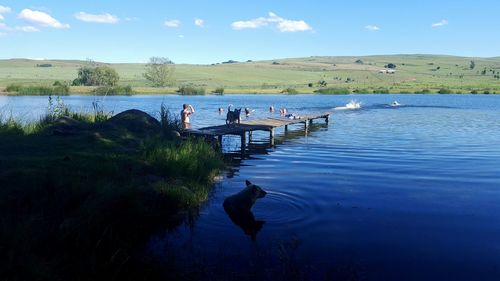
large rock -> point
(65, 126)
(135, 121)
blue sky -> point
(205, 31)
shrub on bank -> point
(289, 91)
(58, 88)
(191, 90)
(333, 91)
(115, 90)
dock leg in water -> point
(243, 141)
(219, 138)
(271, 136)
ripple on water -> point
(280, 208)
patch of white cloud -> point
(4, 9)
(3, 34)
(180, 36)
(131, 18)
(41, 18)
(172, 23)
(3, 26)
(372, 27)
(1, 17)
(28, 29)
(199, 22)
(97, 18)
(440, 24)
(282, 24)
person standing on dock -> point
(187, 110)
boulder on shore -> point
(135, 121)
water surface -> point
(380, 193)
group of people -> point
(188, 109)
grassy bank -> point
(361, 74)
(81, 191)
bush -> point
(289, 91)
(116, 90)
(444, 91)
(334, 91)
(381, 90)
(219, 91)
(96, 76)
(190, 90)
(424, 91)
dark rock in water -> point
(135, 121)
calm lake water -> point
(380, 193)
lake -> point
(410, 192)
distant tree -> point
(358, 61)
(390, 65)
(483, 72)
(159, 71)
(472, 64)
(96, 76)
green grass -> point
(75, 206)
(57, 89)
(413, 73)
(334, 91)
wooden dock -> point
(248, 126)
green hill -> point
(414, 73)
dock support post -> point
(219, 139)
(326, 119)
(243, 141)
(271, 136)
(306, 125)
(286, 129)
(249, 137)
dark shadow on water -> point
(246, 221)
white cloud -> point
(180, 36)
(283, 25)
(439, 24)
(372, 27)
(199, 22)
(131, 18)
(2, 34)
(27, 28)
(172, 23)
(41, 18)
(4, 9)
(3, 26)
(1, 17)
(97, 18)
(255, 23)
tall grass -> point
(290, 91)
(168, 121)
(189, 90)
(57, 89)
(114, 90)
(333, 91)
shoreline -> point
(88, 91)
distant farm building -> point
(387, 71)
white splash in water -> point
(351, 105)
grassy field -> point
(414, 73)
